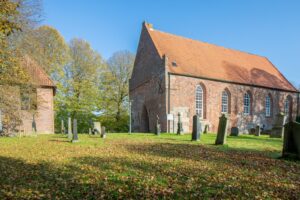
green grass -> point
(145, 166)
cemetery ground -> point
(140, 166)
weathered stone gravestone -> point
(291, 141)
(234, 131)
(90, 131)
(257, 130)
(196, 128)
(103, 132)
(34, 130)
(298, 119)
(222, 130)
(157, 126)
(69, 128)
(63, 130)
(75, 132)
(206, 128)
(179, 125)
(278, 128)
(97, 128)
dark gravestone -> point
(196, 128)
(257, 130)
(75, 133)
(157, 126)
(206, 129)
(252, 131)
(298, 119)
(234, 131)
(33, 125)
(179, 125)
(278, 128)
(291, 140)
(103, 132)
(222, 130)
(69, 128)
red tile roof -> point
(200, 59)
(37, 74)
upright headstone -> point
(291, 140)
(179, 125)
(196, 128)
(34, 130)
(103, 132)
(69, 128)
(257, 130)
(298, 119)
(206, 128)
(234, 131)
(90, 131)
(75, 133)
(222, 130)
(1, 126)
(97, 128)
(157, 126)
(62, 127)
(278, 127)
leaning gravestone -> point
(291, 140)
(69, 128)
(257, 130)
(278, 128)
(75, 133)
(222, 130)
(103, 132)
(97, 128)
(234, 131)
(157, 126)
(179, 125)
(196, 128)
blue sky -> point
(269, 28)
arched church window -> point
(268, 106)
(225, 102)
(199, 101)
(247, 103)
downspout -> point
(167, 73)
(298, 104)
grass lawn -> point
(141, 166)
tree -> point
(119, 69)
(13, 20)
(78, 90)
(46, 46)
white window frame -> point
(247, 104)
(225, 102)
(287, 107)
(199, 101)
(268, 106)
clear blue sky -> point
(266, 27)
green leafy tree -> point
(78, 92)
(115, 87)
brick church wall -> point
(182, 99)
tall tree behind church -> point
(79, 92)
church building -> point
(174, 75)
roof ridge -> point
(200, 41)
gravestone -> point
(157, 126)
(206, 128)
(252, 131)
(257, 130)
(291, 140)
(297, 119)
(222, 130)
(278, 127)
(97, 128)
(196, 128)
(234, 131)
(75, 133)
(90, 131)
(33, 125)
(62, 127)
(103, 132)
(179, 125)
(69, 128)
(1, 126)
